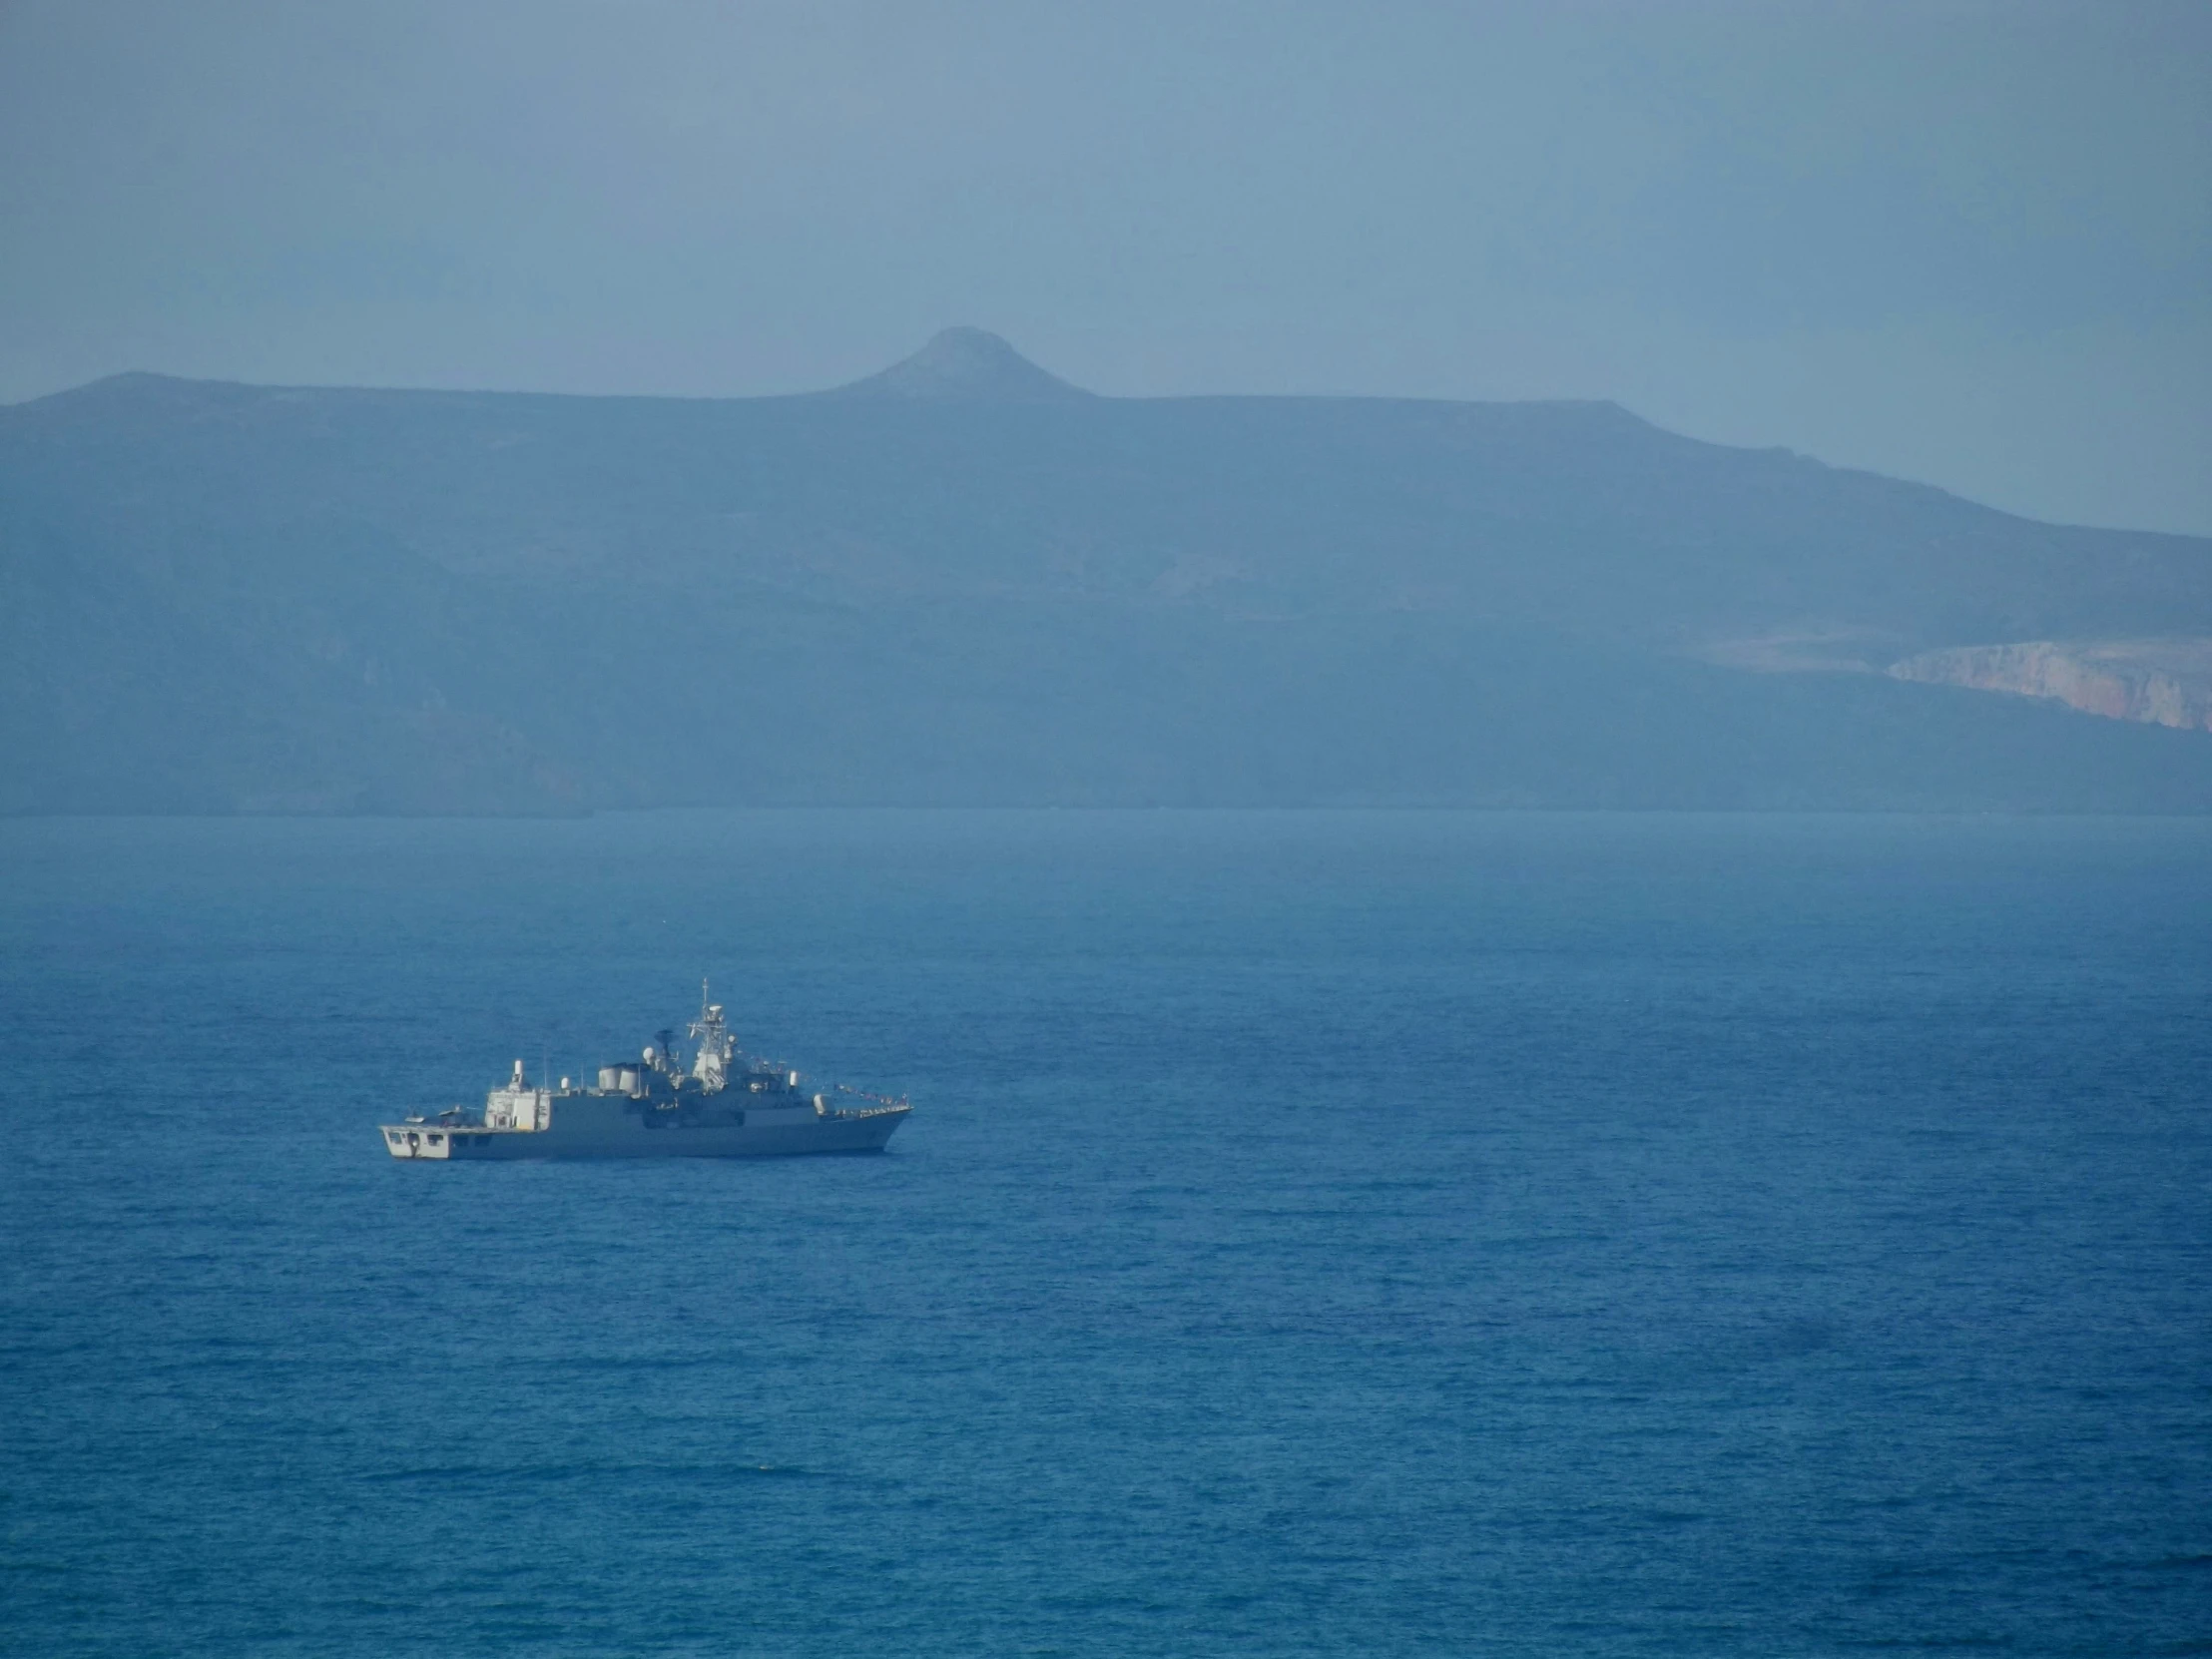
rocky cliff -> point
(2157, 682)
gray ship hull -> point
(461, 1143)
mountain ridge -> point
(225, 595)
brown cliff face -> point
(2156, 682)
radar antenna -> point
(716, 1049)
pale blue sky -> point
(1964, 242)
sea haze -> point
(1317, 1232)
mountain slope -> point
(965, 580)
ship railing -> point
(877, 1099)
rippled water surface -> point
(1318, 1233)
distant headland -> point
(963, 580)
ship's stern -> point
(417, 1140)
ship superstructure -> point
(719, 1103)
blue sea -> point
(1318, 1233)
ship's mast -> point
(716, 1050)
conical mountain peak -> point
(965, 366)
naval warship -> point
(720, 1104)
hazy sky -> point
(1964, 242)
